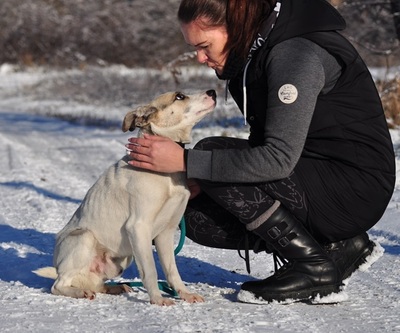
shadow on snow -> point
(25, 250)
(46, 193)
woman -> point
(318, 168)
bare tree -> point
(146, 32)
(371, 26)
(396, 16)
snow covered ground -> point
(48, 163)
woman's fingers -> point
(156, 153)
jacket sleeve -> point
(292, 65)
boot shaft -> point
(286, 235)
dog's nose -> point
(212, 94)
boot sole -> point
(245, 296)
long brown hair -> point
(242, 19)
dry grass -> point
(141, 33)
(69, 33)
(138, 33)
(390, 95)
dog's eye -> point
(179, 96)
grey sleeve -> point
(296, 65)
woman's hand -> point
(156, 153)
(194, 188)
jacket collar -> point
(234, 65)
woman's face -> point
(209, 42)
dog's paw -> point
(118, 289)
(91, 295)
(126, 289)
(162, 301)
(191, 298)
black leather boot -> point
(349, 254)
(308, 272)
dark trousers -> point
(317, 193)
(217, 217)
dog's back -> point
(124, 193)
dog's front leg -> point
(165, 249)
(142, 246)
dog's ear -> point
(139, 117)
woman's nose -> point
(201, 56)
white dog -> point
(128, 208)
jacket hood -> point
(295, 18)
(299, 17)
(291, 18)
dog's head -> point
(171, 115)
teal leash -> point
(162, 285)
(182, 226)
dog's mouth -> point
(208, 109)
(203, 112)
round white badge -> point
(287, 93)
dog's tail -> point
(47, 272)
